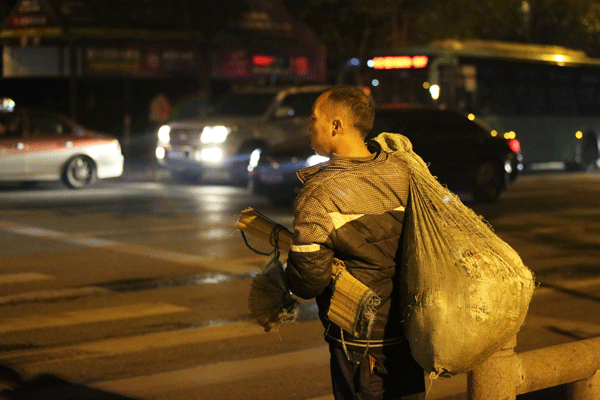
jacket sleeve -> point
(308, 270)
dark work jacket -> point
(351, 209)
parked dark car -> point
(468, 157)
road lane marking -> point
(24, 277)
(44, 295)
(185, 379)
(77, 317)
(143, 386)
(243, 265)
(133, 344)
(128, 231)
(206, 231)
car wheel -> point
(589, 153)
(80, 172)
(488, 183)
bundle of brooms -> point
(353, 305)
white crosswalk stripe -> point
(43, 295)
(125, 345)
(46, 358)
(246, 264)
(87, 316)
(22, 277)
(165, 382)
(162, 384)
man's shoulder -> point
(314, 184)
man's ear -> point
(336, 125)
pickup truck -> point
(226, 144)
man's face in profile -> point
(321, 126)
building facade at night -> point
(103, 66)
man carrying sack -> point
(352, 209)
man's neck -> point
(353, 150)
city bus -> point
(547, 97)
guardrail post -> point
(496, 378)
(585, 389)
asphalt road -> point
(138, 289)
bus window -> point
(495, 94)
(531, 99)
(498, 98)
(399, 87)
(561, 100)
(466, 88)
(561, 93)
(588, 94)
(588, 100)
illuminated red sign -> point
(262, 61)
(400, 62)
(238, 63)
(299, 64)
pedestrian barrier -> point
(506, 374)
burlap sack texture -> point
(465, 291)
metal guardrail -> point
(506, 374)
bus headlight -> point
(214, 134)
(160, 152)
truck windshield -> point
(244, 104)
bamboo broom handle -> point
(256, 224)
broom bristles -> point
(269, 301)
(353, 304)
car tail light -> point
(514, 145)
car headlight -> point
(211, 154)
(254, 159)
(164, 133)
(316, 159)
(214, 134)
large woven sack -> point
(465, 291)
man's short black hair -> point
(358, 103)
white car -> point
(37, 145)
